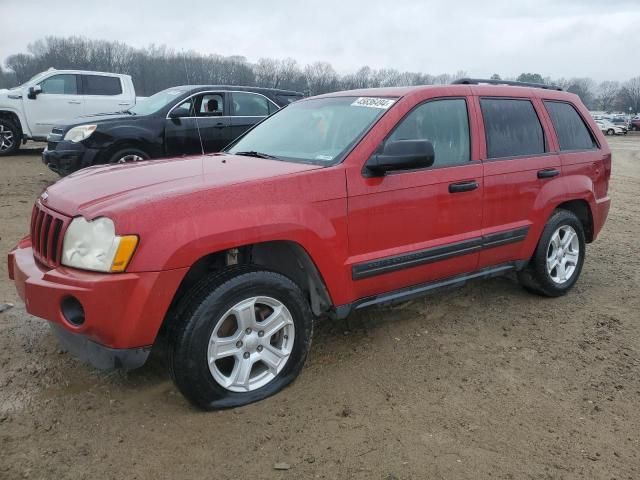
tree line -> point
(155, 68)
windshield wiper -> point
(128, 112)
(253, 153)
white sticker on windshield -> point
(373, 102)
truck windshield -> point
(320, 130)
(156, 101)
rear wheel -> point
(9, 137)
(129, 155)
(611, 131)
(239, 337)
(557, 262)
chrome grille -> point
(47, 232)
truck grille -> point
(47, 232)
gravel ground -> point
(485, 381)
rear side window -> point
(101, 85)
(65, 84)
(286, 99)
(572, 132)
(512, 128)
(249, 105)
(445, 123)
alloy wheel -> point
(6, 139)
(563, 254)
(251, 344)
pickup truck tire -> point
(128, 155)
(239, 336)
(557, 261)
(9, 137)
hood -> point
(101, 119)
(100, 190)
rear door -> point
(59, 102)
(247, 109)
(519, 162)
(411, 227)
(104, 94)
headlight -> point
(79, 133)
(95, 246)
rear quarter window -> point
(512, 128)
(572, 132)
(101, 85)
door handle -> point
(463, 186)
(219, 125)
(124, 104)
(548, 173)
(74, 102)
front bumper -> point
(122, 313)
(65, 158)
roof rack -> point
(476, 81)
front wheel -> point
(557, 261)
(9, 137)
(129, 155)
(240, 336)
(611, 132)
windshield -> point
(319, 130)
(32, 79)
(156, 101)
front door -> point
(412, 227)
(59, 102)
(198, 124)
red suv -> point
(333, 204)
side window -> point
(572, 133)
(64, 84)
(512, 128)
(445, 123)
(185, 109)
(101, 85)
(273, 108)
(249, 105)
(211, 105)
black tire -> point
(200, 311)
(611, 131)
(535, 277)
(9, 133)
(118, 156)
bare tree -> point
(629, 98)
(607, 95)
(321, 78)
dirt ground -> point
(486, 381)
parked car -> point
(609, 128)
(635, 124)
(177, 121)
(620, 121)
(332, 204)
(30, 111)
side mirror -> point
(401, 155)
(34, 91)
(180, 112)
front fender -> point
(26, 131)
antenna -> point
(193, 105)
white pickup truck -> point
(30, 111)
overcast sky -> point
(557, 38)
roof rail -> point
(476, 81)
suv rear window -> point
(512, 128)
(101, 85)
(572, 132)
